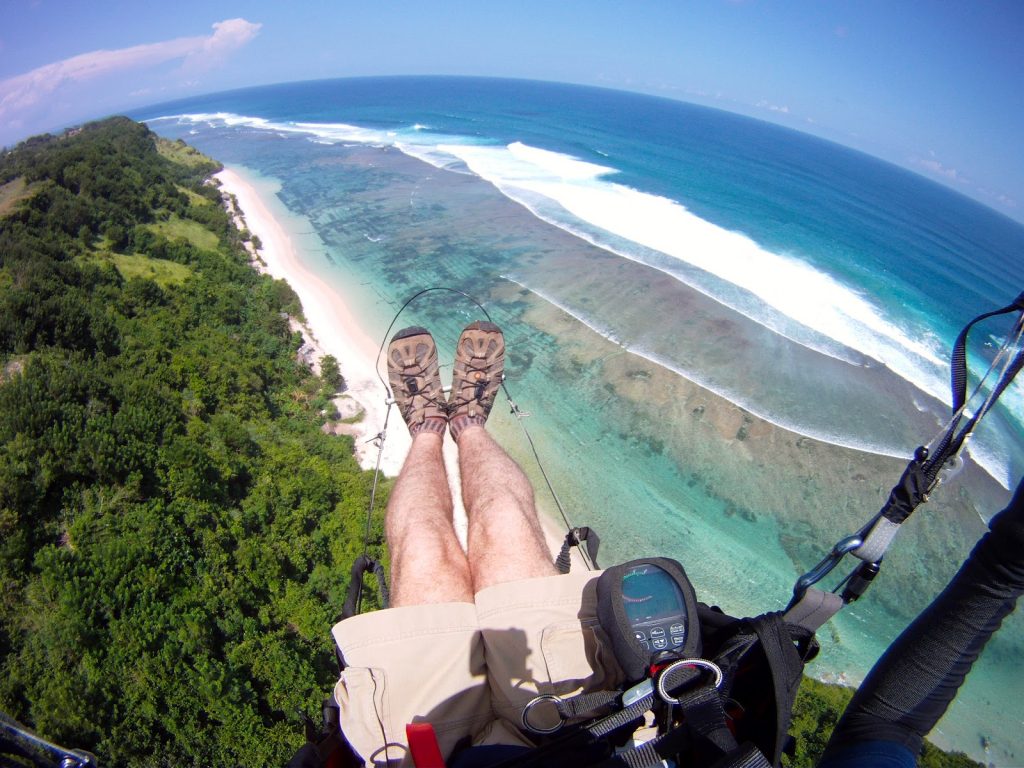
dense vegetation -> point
(175, 530)
(817, 710)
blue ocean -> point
(729, 336)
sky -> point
(933, 86)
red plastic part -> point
(423, 745)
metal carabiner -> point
(842, 548)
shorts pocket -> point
(578, 657)
(360, 694)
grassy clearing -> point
(160, 271)
(12, 193)
(181, 153)
(193, 197)
(192, 231)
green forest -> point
(175, 529)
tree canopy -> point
(175, 530)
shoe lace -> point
(477, 387)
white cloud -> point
(956, 178)
(939, 169)
(764, 104)
(22, 92)
(227, 36)
(936, 168)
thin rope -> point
(540, 465)
(1004, 351)
(1003, 357)
(379, 439)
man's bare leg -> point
(427, 561)
(505, 540)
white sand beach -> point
(331, 329)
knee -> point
(505, 500)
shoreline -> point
(332, 329)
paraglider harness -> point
(708, 689)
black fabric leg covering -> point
(912, 685)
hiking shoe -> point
(415, 381)
(479, 365)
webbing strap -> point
(703, 716)
(582, 735)
(958, 361)
(744, 756)
(423, 745)
(813, 609)
(786, 667)
(364, 564)
(585, 703)
(633, 712)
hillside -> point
(175, 530)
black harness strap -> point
(744, 756)
(362, 565)
(704, 715)
(704, 726)
(574, 538)
(581, 736)
(786, 647)
(585, 704)
(958, 361)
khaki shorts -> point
(468, 669)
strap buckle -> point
(525, 717)
(662, 686)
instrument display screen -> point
(655, 607)
(651, 594)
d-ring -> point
(533, 702)
(708, 665)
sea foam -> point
(787, 284)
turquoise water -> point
(724, 331)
